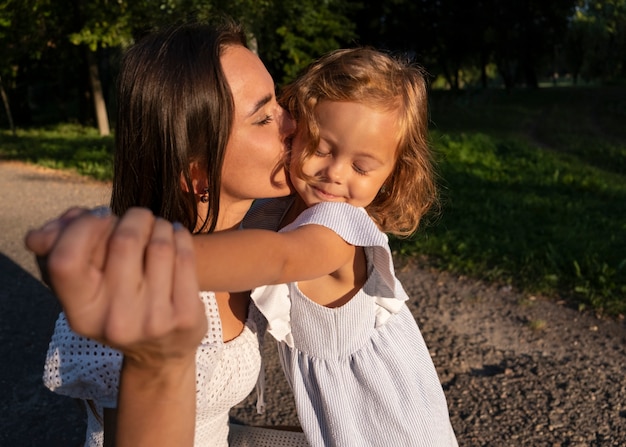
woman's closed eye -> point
(267, 119)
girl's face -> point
(355, 156)
(260, 126)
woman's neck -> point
(296, 208)
(231, 214)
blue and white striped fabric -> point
(360, 377)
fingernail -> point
(101, 211)
(178, 226)
(52, 225)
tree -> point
(595, 47)
(102, 24)
(5, 23)
(290, 34)
(22, 38)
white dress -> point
(226, 373)
(361, 374)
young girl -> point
(360, 371)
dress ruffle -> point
(353, 225)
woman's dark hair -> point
(175, 108)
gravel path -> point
(31, 415)
(517, 370)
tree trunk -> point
(97, 94)
(7, 107)
(447, 74)
(506, 76)
(529, 73)
(484, 80)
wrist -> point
(156, 404)
(158, 371)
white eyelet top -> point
(226, 373)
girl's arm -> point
(242, 260)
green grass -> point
(533, 188)
(533, 192)
(63, 146)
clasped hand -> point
(128, 282)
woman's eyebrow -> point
(260, 103)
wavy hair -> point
(377, 79)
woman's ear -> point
(199, 180)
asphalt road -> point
(32, 415)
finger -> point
(73, 278)
(100, 249)
(41, 240)
(127, 245)
(188, 308)
(159, 274)
(124, 275)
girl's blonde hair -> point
(371, 77)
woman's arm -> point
(157, 406)
(137, 292)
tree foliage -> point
(595, 47)
(47, 45)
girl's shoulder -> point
(352, 223)
(357, 228)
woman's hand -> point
(128, 283)
(131, 283)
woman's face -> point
(252, 165)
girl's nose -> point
(334, 171)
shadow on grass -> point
(545, 221)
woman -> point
(199, 136)
(80, 247)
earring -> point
(383, 189)
(204, 197)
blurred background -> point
(527, 125)
(59, 57)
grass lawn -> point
(533, 192)
(61, 146)
(533, 187)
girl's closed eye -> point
(359, 169)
